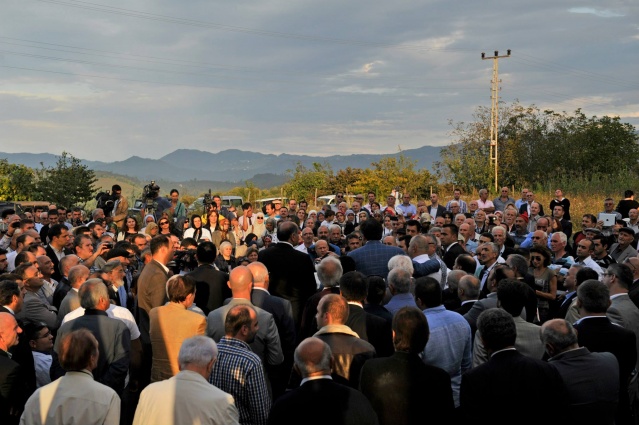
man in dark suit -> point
(319, 400)
(633, 290)
(13, 388)
(592, 379)
(435, 209)
(283, 315)
(452, 249)
(468, 291)
(112, 274)
(401, 387)
(58, 236)
(292, 274)
(598, 334)
(369, 327)
(113, 337)
(66, 264)
(491, 381)
(211, 284)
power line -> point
(231, 28)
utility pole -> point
(494, 111)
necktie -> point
(122, 294)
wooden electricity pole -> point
(494, 112)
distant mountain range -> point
(231, 165)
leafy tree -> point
(305, 181)
(69, 183)
(538, 147)
(16, 181)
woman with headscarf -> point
(196, 231)
(223, 234)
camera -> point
(150, 192)
(207, 201)
(183, 260)
(106, 201)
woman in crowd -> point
(152, 230)
(196, 231)
(165, 226)
(147, 219)
(448, 217)
(301, 215)
(388, 226)
(131, 227)
(212, 221)
(223, 234)
(545, 281)
(251, 254)
(225, 260)
(259, 228)
(267, 240)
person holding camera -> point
(121, 206)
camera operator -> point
(154, 201)
(184, 258)
(76, 217)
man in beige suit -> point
(188, 398)
(121, 207)
(171, 324)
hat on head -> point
(627, 230)
(350, 212)
(524, 216)
(425, 217)
(593, 230)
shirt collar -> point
(314, 378)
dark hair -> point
(467, 263)
(544, 253)
(428, 291)
(590, 217)
(246, 205)
(8, 289)
(206, 252)
(594, 296)
(173, 191)
(159, 242)
(415, 223)
(116, 187)
(584, 274)
(512, 295)
(623, 273)
(376, 290)
(236, 318)
(31, 329)
(193, 217)
(353, 286)
(411, 330)
(179, 287)
(55, 231)
(628, 193)
(21, 259)
(453, 228)
(76, 350)
(371, 229)
(497, 329)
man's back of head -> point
(593, 297)
(428, 292)
(371, 229)
(313, 357)
(497, 329)
(329, 272)
(241, 282)
(410, 330)
(332, 310)
(469, 287)
(353, 286)
(260, 274)
(558, 336)
(206, 253)
(286, 231)
(93, 295)
(400, 279)
(512, 295)
(241, 323)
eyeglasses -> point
(48, 334)
(163, 223)
(536, 258)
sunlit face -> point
(197, 222)
(307, 236)
(440, 221)
(321, 248)
(252, 257)
(227, 250)
(130, 223)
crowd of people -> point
(352, 313)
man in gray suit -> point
(591, 379)
(511, 296)
(267, 340)
(77, 276)
(623, 248)
(622, 310)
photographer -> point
(155, 204)
(10, 223)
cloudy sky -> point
(108, 80)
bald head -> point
(313, 358)
(260, 274)
(78, 275)
(558, 336)
(67, 262)
(634, 263)
(9, 331)
(241, 282)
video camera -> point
(106, 201)
(183, 260)
(149, 193)
(207, 201)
